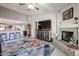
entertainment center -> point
(43, 30)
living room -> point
(60, 26)
(54, 23)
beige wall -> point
(12, 15)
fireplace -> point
(67, 35)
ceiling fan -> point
(30, 6)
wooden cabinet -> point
(43, 35)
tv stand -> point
(61, 45)
(44, 35)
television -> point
(46, 24)
(66, 35)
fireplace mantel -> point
(69, 26)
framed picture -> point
(68, 14)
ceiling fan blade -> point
(29, 9)
(36, 8)
(22, 3)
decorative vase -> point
(76, 20)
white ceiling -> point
(43, 7)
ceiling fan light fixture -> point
(30, 6)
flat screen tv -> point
(44, 24)
(66, 35)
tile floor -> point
(57, 52)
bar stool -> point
(3, 36)
(0, 47)
(17, 35)
(11, 36)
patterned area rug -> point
(26, 47)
